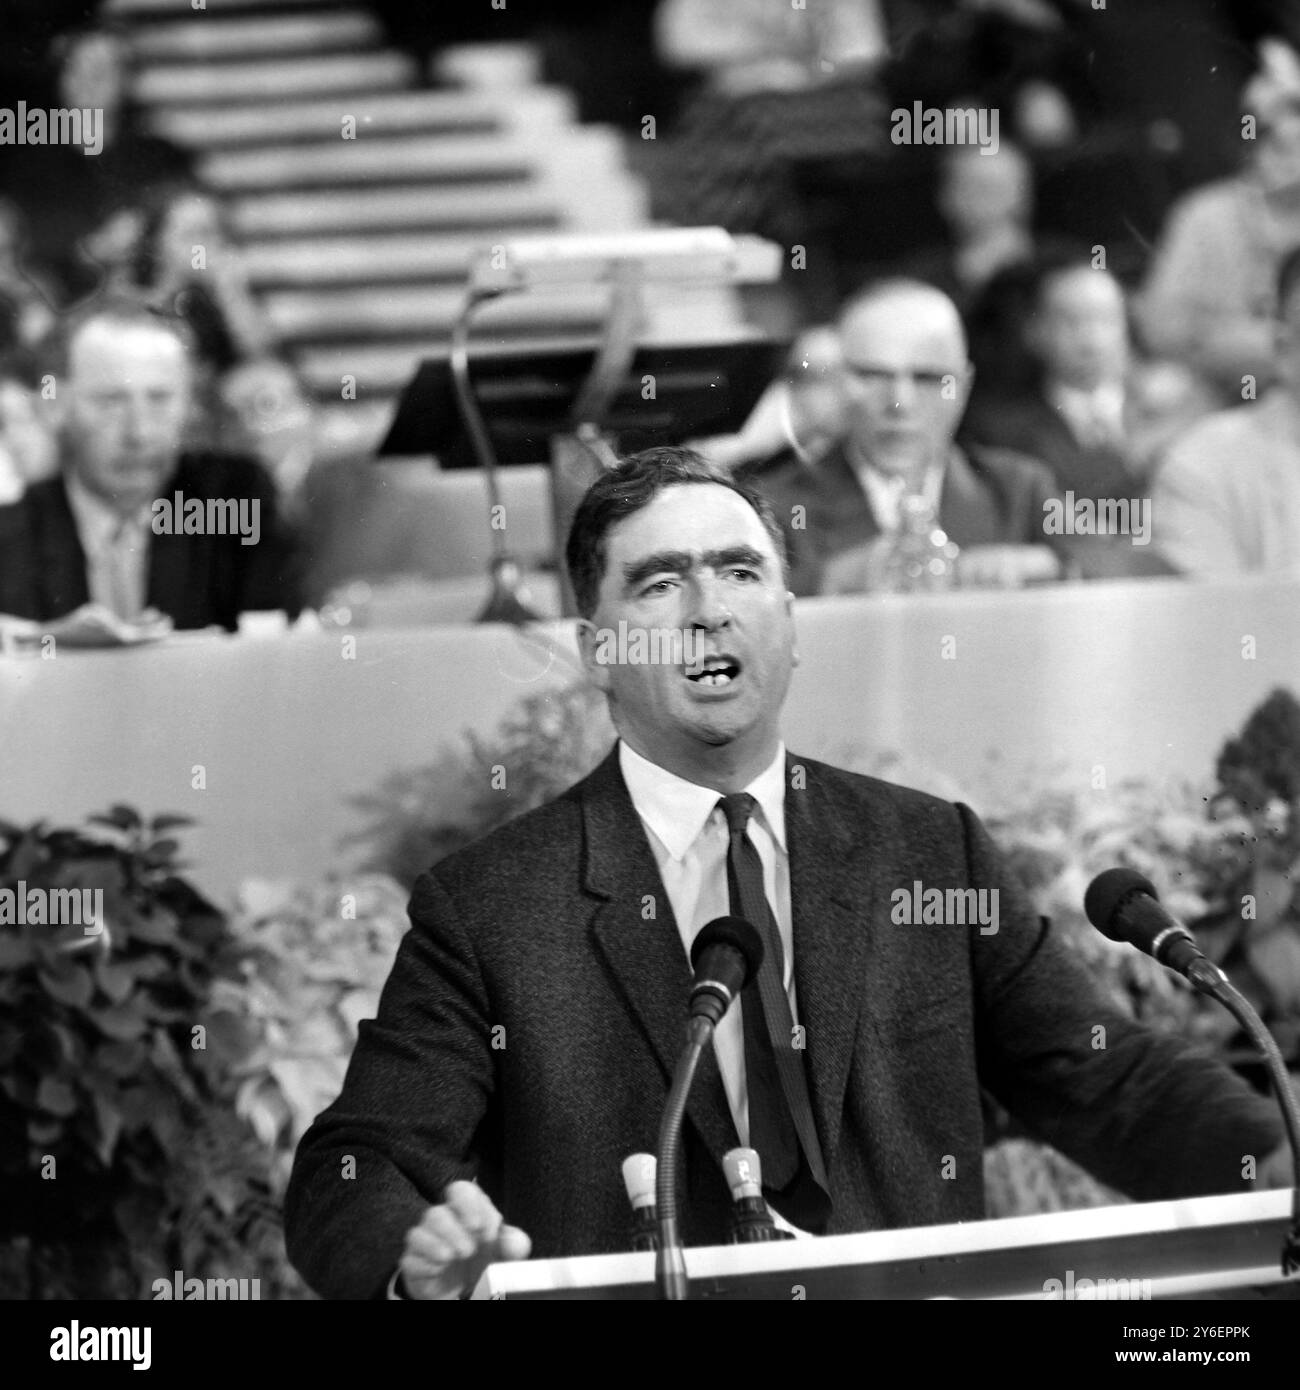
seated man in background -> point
(1209, 296)
(801, 410)
(1227, 498)
(905, 378)
(1095, 415)
(131, 522)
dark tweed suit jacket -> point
(542, 931)
(198, 580)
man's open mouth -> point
(714, 670)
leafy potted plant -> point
(120, 1150)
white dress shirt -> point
(1095, 418)
(116, 549)
(689, 837)
(885, 491)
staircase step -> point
(488, 65)
(424, 311)
(136, 10)
(360, 260)
(272, 79)
(192, 40)
(491, 209)
(375, 113)
(384, 159)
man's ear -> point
(789, 610)
(592, 650)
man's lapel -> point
(173, 564)
(845, 506)
(644, 952)
(60, 561)
(835, 889)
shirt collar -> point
(676, 810)
(884, 491)
(98, 524)
(1108, 398)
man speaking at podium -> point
(527, 1034)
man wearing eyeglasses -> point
(905, 379)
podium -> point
(1204, 1247)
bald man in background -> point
(905, 377)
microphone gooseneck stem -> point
(670, 1264)
(1239, 1007)
(504, 604)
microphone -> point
(750, 1219)
(1125, 906)
(639, 1179)
(725, 956)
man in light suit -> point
(526, 1037)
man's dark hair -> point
(122, 310)
(625, 490)
(1288, 280)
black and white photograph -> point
(649, 650)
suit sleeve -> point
(17, 588)
(417, 1087)
(271, 575)
(1143, 1112)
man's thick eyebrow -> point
(679, 561)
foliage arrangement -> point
(312, 962)
(156, 1076)
(418, 816)
(120, 1150)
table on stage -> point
(1142, 679)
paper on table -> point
(91, 625)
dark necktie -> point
(781, 1123)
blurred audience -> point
(84, 212)
(28, 451)
(802, 410)
(92, 533)
(1094, 413)
(905, 378)
(1210, 293)
(266, 414)
(987, 204)
(27, 298)
(744, 46)
(1226, 499)
(185, 264)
